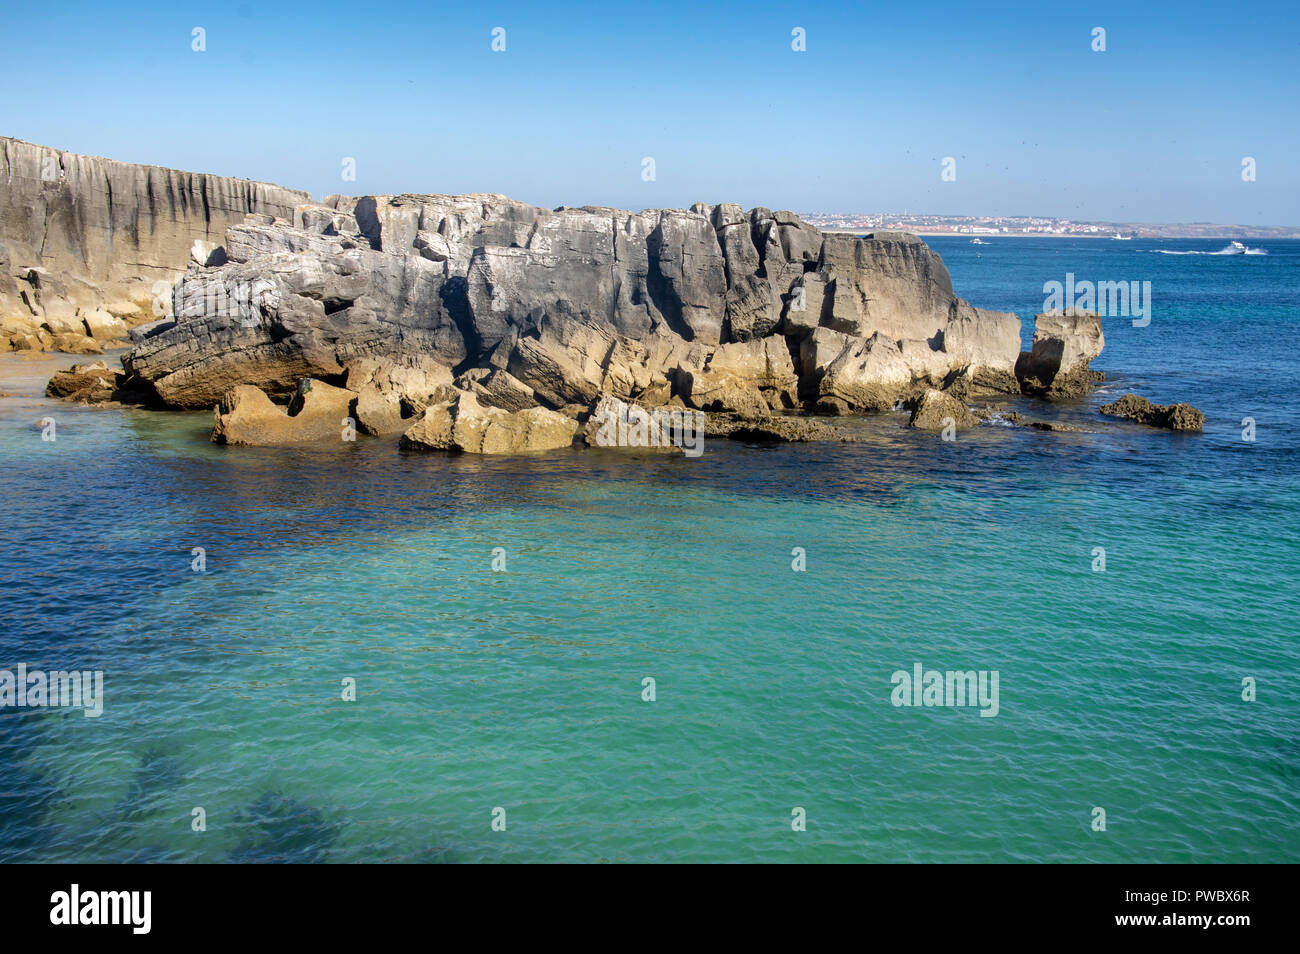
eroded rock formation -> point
(93, 383)
(1175, 417)
(83, 240)
(1059, 366)
(741, 312)
(465, 425)
(486, 304)
(318, 412)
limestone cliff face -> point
(575, 303)
(721, 308)
(80, 233)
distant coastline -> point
(929, 233)
(1022, 227)
(926, 233)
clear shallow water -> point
(523, 689)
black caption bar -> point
(138, 905)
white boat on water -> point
(1122, 238)
(1236, 248)
(978, 242)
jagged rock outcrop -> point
(466, 426)
(391, 394)
(713, 306)
(84, 239)
(891, 283)
(615, 423)
(1059, 366)
(707, 304)
(634, 273)
(318, 411)
(295, 310)
(1175, 417)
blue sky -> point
(1153, 129)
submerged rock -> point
(465, 425)
(1175, 417)
(318, 411)
(1057, 426)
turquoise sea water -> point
(523, 689)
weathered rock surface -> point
(1175, 417)
(85, 236)
(616, 423)
(619, 424)
(772, 428)
(1065, 343)
(283, 315)
(985, 347)
(744, 312)
(391, 394)
(749, 378)
(89, 383)
(318, 411)
(707, 304)
(876, 373)
(573, 363)
(465, 425)
(94, 383)
(936, 410)
(496, 388)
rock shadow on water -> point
(142, 812)
(31, 796)
(157, 776)
(1285, 758)
(280, 829)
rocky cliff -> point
(84, 239)
(410, 302)
(721, 308)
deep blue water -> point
(522, 690)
